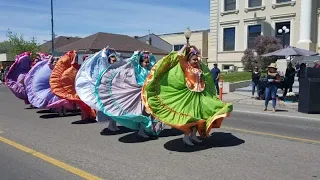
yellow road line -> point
(272, 135)
(51, 160)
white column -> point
(305, 22)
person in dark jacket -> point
(289, 79)
(255, 79)
(215, 72)
(301, 71)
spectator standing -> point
(255, 79)
(289, 79)
(272, 87)
(215, 71)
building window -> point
(226, 66)
(282, 1)
(229, 38)
(177, 47)
(283, 36)
(254, 3)
(253, 32)
(229, 5)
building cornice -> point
(230, 22)
(287, 15)
(254, 19)
(290, 3)
(254, 8)
(229, 52)
(236, 11)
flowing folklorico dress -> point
(182, 97)
(88, 75)
(118, 92)
(16, 74)
(38, 87)
(62, 83)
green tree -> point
(5, 47)
(264, 45)
(248, 60)
(16, 44)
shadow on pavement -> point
(281, 110)
(123, 130)
(91, 121)
(45, 111)
(134, 138)
(217, 139)
(55, 115)
(30, 108)
(170, 132)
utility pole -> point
(149, 38)
(52, 32)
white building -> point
(199, 38)
(235, 23)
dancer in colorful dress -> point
(86, 80)
(62, 83)
(38, 87)
(180, 92)
(16, 74)
(118, 92)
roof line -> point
(157, 37)
(195, 31)
(125, 51)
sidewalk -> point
(247, 104)
(244, 99)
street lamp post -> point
(283, 31)
(187, 34)
(52, 33)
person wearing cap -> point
(272, 86)
(215, 71)
(255, 79)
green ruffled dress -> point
(166, 96)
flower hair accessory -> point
(194, 51)
(146, 56)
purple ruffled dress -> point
(38, 87)
(16, 74)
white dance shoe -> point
(187, 141)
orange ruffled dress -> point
(62, 83)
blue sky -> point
(85, 17)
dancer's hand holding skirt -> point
(167, 97)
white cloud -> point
(82, 18)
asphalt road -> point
(250, 146)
